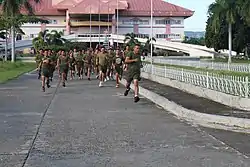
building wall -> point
(138, 25)
(32, 30)
(176, 27)
(86, 30)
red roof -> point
(106, 6)
(127, 7)
(160, 8)
(65, 4)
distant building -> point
(194, 34)
(73, 17)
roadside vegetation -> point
(10, 70)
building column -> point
(168, 31)
(43, 26)
(68, 28)
(113, 25)
(136, 28)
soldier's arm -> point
(128, 59)
(97, 60)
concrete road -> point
(83, 125)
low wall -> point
(226, 99)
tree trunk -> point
(13, 44)
(6, 45)
(230, 43)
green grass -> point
(221, 72)
(234, 60)
(10, 70)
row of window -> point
(173, 36)
(141, 35)
(141, 22)
(168, 21)
(146, 22)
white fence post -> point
(182, 75)
(165, 71)
(207, 81)
(246, 86)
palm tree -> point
(42, 40)
(147, 46)
(220, 9)
(130, 40)
(12, 8)
(55, 38)
(243, 7)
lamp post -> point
(108, 23)
(117, 24)
(99, 23)
(90, 27)
(151, 40)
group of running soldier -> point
(104, 63)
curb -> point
(207, 120)
(220, 97)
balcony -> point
(87, 23)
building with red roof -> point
(82, 17)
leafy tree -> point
(224, 9)
(42, 40)
(55, 38)
(130, 40)
(46, 39)
(228, 22)
(147, 45)
(195, 41)
(12, 10)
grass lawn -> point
(221, 72)
(233, 60)
(10, 70)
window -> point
(175, 21)
(141, 35)
(52, 21)
(167, 21)
(129, 22)
(32, 35)
(174, 36)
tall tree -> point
(131, 40)
(12, 9)
(42, 40)
(227, 9)
(55, 38)
(243, 7)
(147, 45)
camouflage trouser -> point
(132, 75)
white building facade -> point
(66, 16)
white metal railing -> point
(238, 67)
(234, 85)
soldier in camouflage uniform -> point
(133, 60)
(79, 64)
(38, 59)
(45, 66)
(111, 56)
(72, 63)
(63, 65)
(53, 64)
(118, 66)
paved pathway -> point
(86, 126)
